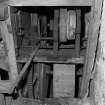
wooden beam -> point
(92, 45)
(45, 60)
(7, 34)
(78, 33)
(99, 76)
(50, 3)
(55, 34)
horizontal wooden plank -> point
(50, 2)
(45, 60)
(48, 101)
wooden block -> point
(63, 80)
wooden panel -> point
(43, 80)
(64, 80)
(56, 24)
(63, 25)
(50, 2)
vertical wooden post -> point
(78, 31)
(56, 25)
(29, 82)
(43, 86)
(7, 33)
(91, 45)
(99, 77)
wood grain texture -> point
(99, 77)
(6, 31)
(50, 2)
(63, 80)
(92, 45)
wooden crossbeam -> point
(50, 2)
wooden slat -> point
(45, 60)
(78, 31)
(50, 2)
(63, 25)
(55, 34)
(43, 80)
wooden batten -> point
(50, 2)
(7, 34)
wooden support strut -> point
(92, 45)
(78, 30)
(56, 25)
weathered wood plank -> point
(55, 34)
(99, 77)
(50, 2)
(43, 80)
(7, 34)
(92, 45)
(78, 30)
(63, 80)
(45, 60)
